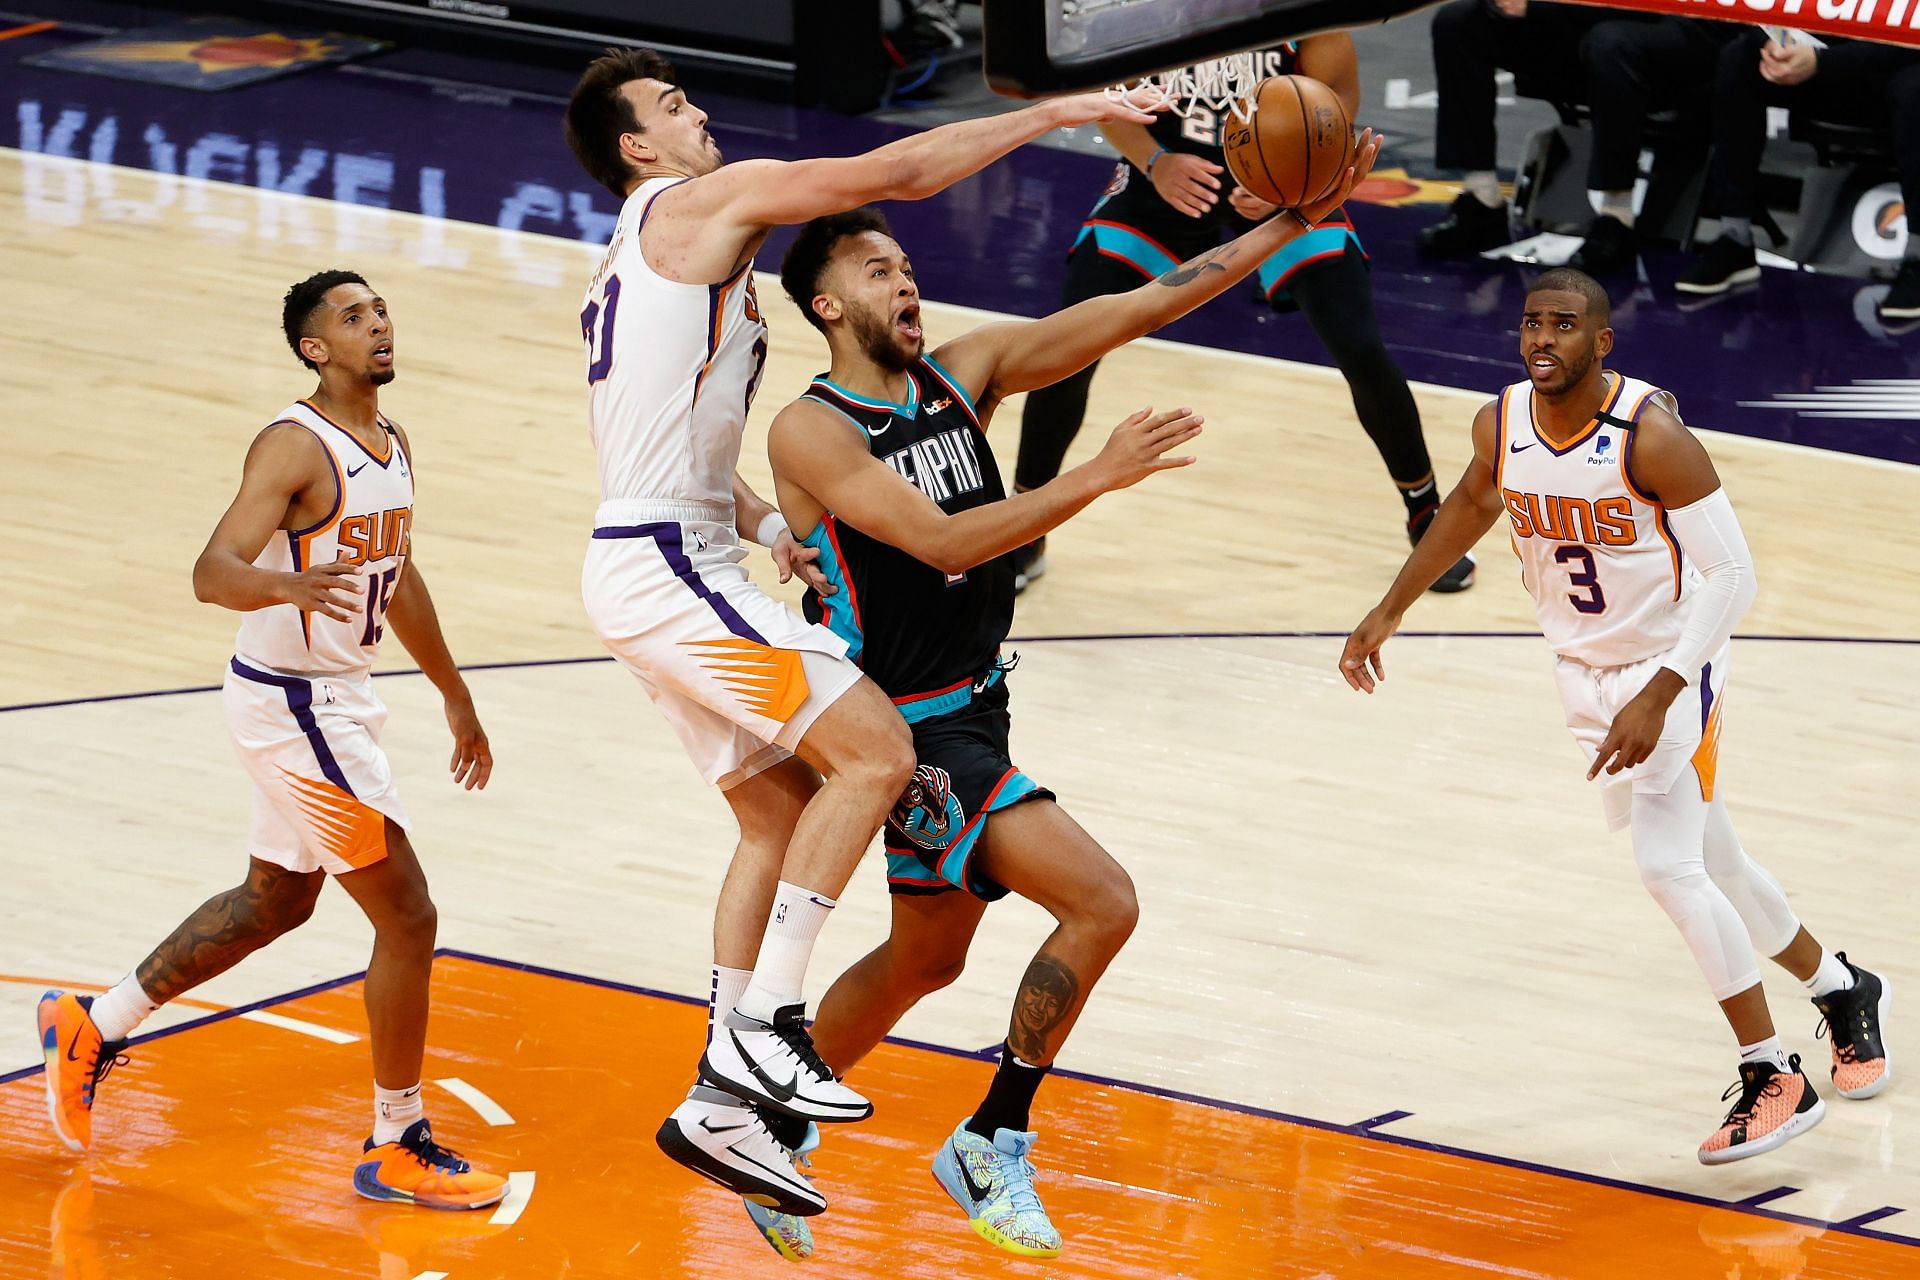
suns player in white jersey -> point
(315, 553)
(1639, 573)
(760, 699)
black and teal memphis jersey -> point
(918, 633)
(1199, 132)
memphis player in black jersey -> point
(884, 462)
(1170, 198)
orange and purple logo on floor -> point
(205, 53)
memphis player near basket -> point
(885, 462)
(316, 554)
(1165, 204)
(760, 699)
(1639, 573)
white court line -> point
(1129, 1186)
(519, 1191)
(486, 1108)
(313, 1029)
(592, 252)
(431, 1275)
(1477, 1264)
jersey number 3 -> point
(600, 343)
(1585, 577)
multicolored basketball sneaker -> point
(789, 1234)
(417, 1170)
(77, 1061)
(992, 1182)
(1851, 1021)
(1774, 1107)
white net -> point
(1222, 84)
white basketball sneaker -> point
(718, 1137)
(774, 1065)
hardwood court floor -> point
(1351, 907)
(240, 1137)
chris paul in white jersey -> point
(1639, 573)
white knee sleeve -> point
(1754, 893)
(1668, 844)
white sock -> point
(1767, 1050)
(394, 1110)
(1615, 204)
(724, 993)
(779, 977)
(122, 1009)
(1831, 976)
(1484, 186)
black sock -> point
(788, 1131)
(1009, 1100)
(1423, 503)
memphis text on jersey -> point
(943, 466)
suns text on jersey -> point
(1603, 522)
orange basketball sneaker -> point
(1775, 1107)
(415, 1169)
(77, 1060)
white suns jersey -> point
(371, 525)
(671, 369)
(1596, 552)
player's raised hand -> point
(1138, 447)
(1363, 647)
(1138, 105)
(1188, 182)
(790, 558)
(330, 589)
(472, 761)
(1365, 152)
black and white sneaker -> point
(1903, 299)
(1029, 563)
(1459, 577)
(1470, 227)
(774, 1065)
(1609, 248)
(721, 1138)
(1720, 266)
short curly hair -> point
(303, 299)
(807, 256)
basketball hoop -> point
(1223, 84)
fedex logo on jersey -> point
(1607, 522)
(379, 535)
(942, 467)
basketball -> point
(1295, 143)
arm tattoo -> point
(1049, 994)
(1189, 271)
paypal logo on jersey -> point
(1602, 449)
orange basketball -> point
(1295, 144)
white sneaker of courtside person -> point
(774, 1065)
(718, 1137)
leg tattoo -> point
(225, 930)
(1049, 992)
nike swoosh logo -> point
(974, 1189)
(354, 471)
(71, 1055)
(1512, 448)
(725, 1128)
(775, 1089)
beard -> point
(1572, 371)
(880, 342)
(380, 377)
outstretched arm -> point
(1005, 359)
(821, 464)
(1463, 519)
(700, 229)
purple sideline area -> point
(381, 134)
(1366, 1129)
